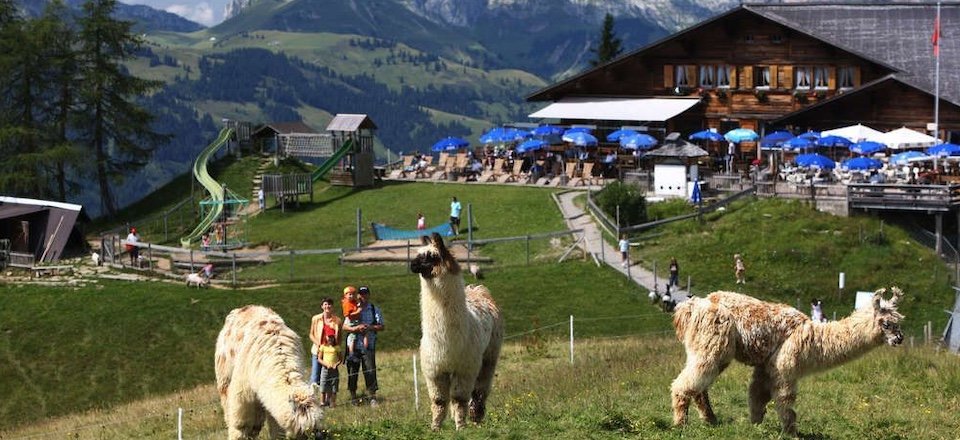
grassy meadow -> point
(114, 359)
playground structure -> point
(215, 201)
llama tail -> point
(681, 318)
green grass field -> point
(83, 356)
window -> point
(724, 73)
(845, 77)
(680, 76)
(707, 77)
(761, 77)
(776, 39)
(802, 77)
(821, 78)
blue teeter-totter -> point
(384, 232)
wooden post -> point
(233, 261)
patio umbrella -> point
(942, 150)
(908, 156)
(639, 141)
(738, 135)
(706, 135)
(580, 139)
(775, 139)
(861, 163)
(810, 135)
(814, 160)
(547, 130)
(501, 135)
(799, 143)
(834, 141)
(867, 147)
(450, 143)
(574, 130)
(531, 145)
(620, 134)
(854, 132)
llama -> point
(462, 334)
(197, 279)
(780, 342)
(260, 376)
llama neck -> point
(277, 398)
(442, 299)
(835, 343)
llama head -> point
(434, 259)
(886, 316)
(306, 414)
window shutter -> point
(788, 82)
(774, 77)
(748, 77)
(692, 77)
(832, 78)
(668, 76)
(856, 76)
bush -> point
(630, 199)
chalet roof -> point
(893, 34)
(350, 122)
(898, 34)
(54, 220)
(283, 128)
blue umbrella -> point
(574, 130)
(861, 163)
(907, 156)
(450, 143)
(834, 141)
(942, 150)
(799, 143)
(547, 130)
(706, 135)
(580, 138)
(814, 160)
(620, 134)
(867, 147)
(500, 135)
(639, 141)
(738, 135)
(810, 135)
(531, 145)
(775, 139)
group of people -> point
(361, 321)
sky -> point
(205, 12)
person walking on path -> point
(674, 273)
(260, 201)
(624, 246)
(455, 209)
(739, 269)
(133, 240)
(371, 323)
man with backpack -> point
(370, 323)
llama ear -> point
(425, 240)
(437, 240)
(878, 298)
(897, 296)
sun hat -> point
(349, 289)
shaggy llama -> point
(260, 377)
(462, 334)
(780, 342)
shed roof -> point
(283, 128)
(350, 122)
(679, 148)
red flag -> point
(936, 37)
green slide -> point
(332, 161)
(212, 186)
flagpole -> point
(936, 100)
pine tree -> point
(112, 125)
(609, 47)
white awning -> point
(616, 109)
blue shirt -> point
(455, 209)
(370, 315)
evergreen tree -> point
(609, 47)
(112, 125)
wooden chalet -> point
(818, 65)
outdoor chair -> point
(585, 176)
(405, 164)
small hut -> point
(354, 135)
(676, 167)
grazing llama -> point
(462, 334)
(780, 342)
(260, 376)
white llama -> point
(462, 334)
(260, 376)
(780, 342)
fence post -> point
(469, 227)
(233, 272)
(655, 278)
(416, 387)
(571, 339)
(150, 256)
(603, 256)
(291, 264)
(359, 227)
(191, 261)
(179, 423)
(528, 250)
(165, 237)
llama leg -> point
(786, 397)
(274, 429)
(460, 390)
(702, 401)
(692, 383)
(481, 390)
(760, 394)
(245, 419)
(438, 387)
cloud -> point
(201, 13)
